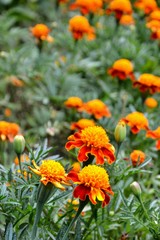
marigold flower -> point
(94, 141)
(7, 112)
(93, 181)
(41, 31)
(51, 172)
(122, 68)
(148, 82)
(97, 108)
(151, 102)
(137, 121)
(8, 130)
(80, 27)
(74, 102)
(119, 7)
(127, 20)
(154, 26)
(155, 134)
(87, 6)
(146, 6)
(82, 123)
(137, 157)
(155, 15)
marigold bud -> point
(136, 189)
(120, 131)
(19, 144)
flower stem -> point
(19, 161)
(36, 220)
(144, 209)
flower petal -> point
(81, 191)
(73, 144)
(106, 200)
(83, 153)
(73, 176)
(98, 154)
(109, 155)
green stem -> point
(19, 161)
(144, 209)
(36, 220)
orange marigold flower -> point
(154, 25)
(87, 6)
(137, 121)
(146, 6)
(94, 141)
(41, 31)
(74, 102)
(137, 157)
(127, 20)
(97, 108)
(51, 172)
(7, 112)
(8, 130)
(80, 27)
(93, 181)
(148, 82)
(122, 68)
(82, 123)
(155, 134)
(119, 7)
(151, 102)
(155, 15)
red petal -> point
(83, 153)
(73, 144)
(73, 176)
(98, 154)
(135, 129)
(109, 155)
(81, 191)
(106, 200)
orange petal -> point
(83, 153)
(81, 192)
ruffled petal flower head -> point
(127, 20)
(122, 68)
(97, 108)
(137, 157)
(137, 121)
(94, 141)
(155, 134)
(92, 181)
(80, 27)
(8, 130)
(41, 32)
(82, 123)
(51, 172)
(87, 6)
(119, 7)
(151, 102)
(148, 82)
(74, 102)
(146, 6)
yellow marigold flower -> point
(41, 31)
(93, 181)
(137, 121)
(148, 82)
(82, 123)
(74, 102)
(155, 134)
(146, 6)
(97, 108)
(94, 141)
(80, 27)
(137, 157)
(51, 172)
(8, 130)
(151, 102)
(119, 7)
(127, 20)
(122, 68)
(87, 6)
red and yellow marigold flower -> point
(50, 172)
(137, 121)
(127, 20)
(148, 82)
(92, 181)
(97, 108)
(8, 130)
(74, 102)
(119, 7)
(94, 141)
(154, 26)
(80, 27)
(87, 6)
(155, 134)
(41, 32)
(122, 68)
(146, 6)
(154, 15)
(137, 157)
(82, 123)
(151, 102)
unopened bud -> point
(19, 144)
(120, 131)
(136, 189)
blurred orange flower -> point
(8, 130)
(7, 112)
(87, 6)
(80, 27)
(122, 68)
(154, 26)
(154, 15)
(155, 134)
(16, 82)
(151, 102)
(94, 141)
(148, 82)
(146, 6)
(127, 20)
(82, 123)
(93, 181)
(74, 102)
(119, 7)
(137, 121)
(137, 157)
(24, 158)
(41, 31)
(97, 108)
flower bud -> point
(19, 144)
(136, 189)
(120, 131)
